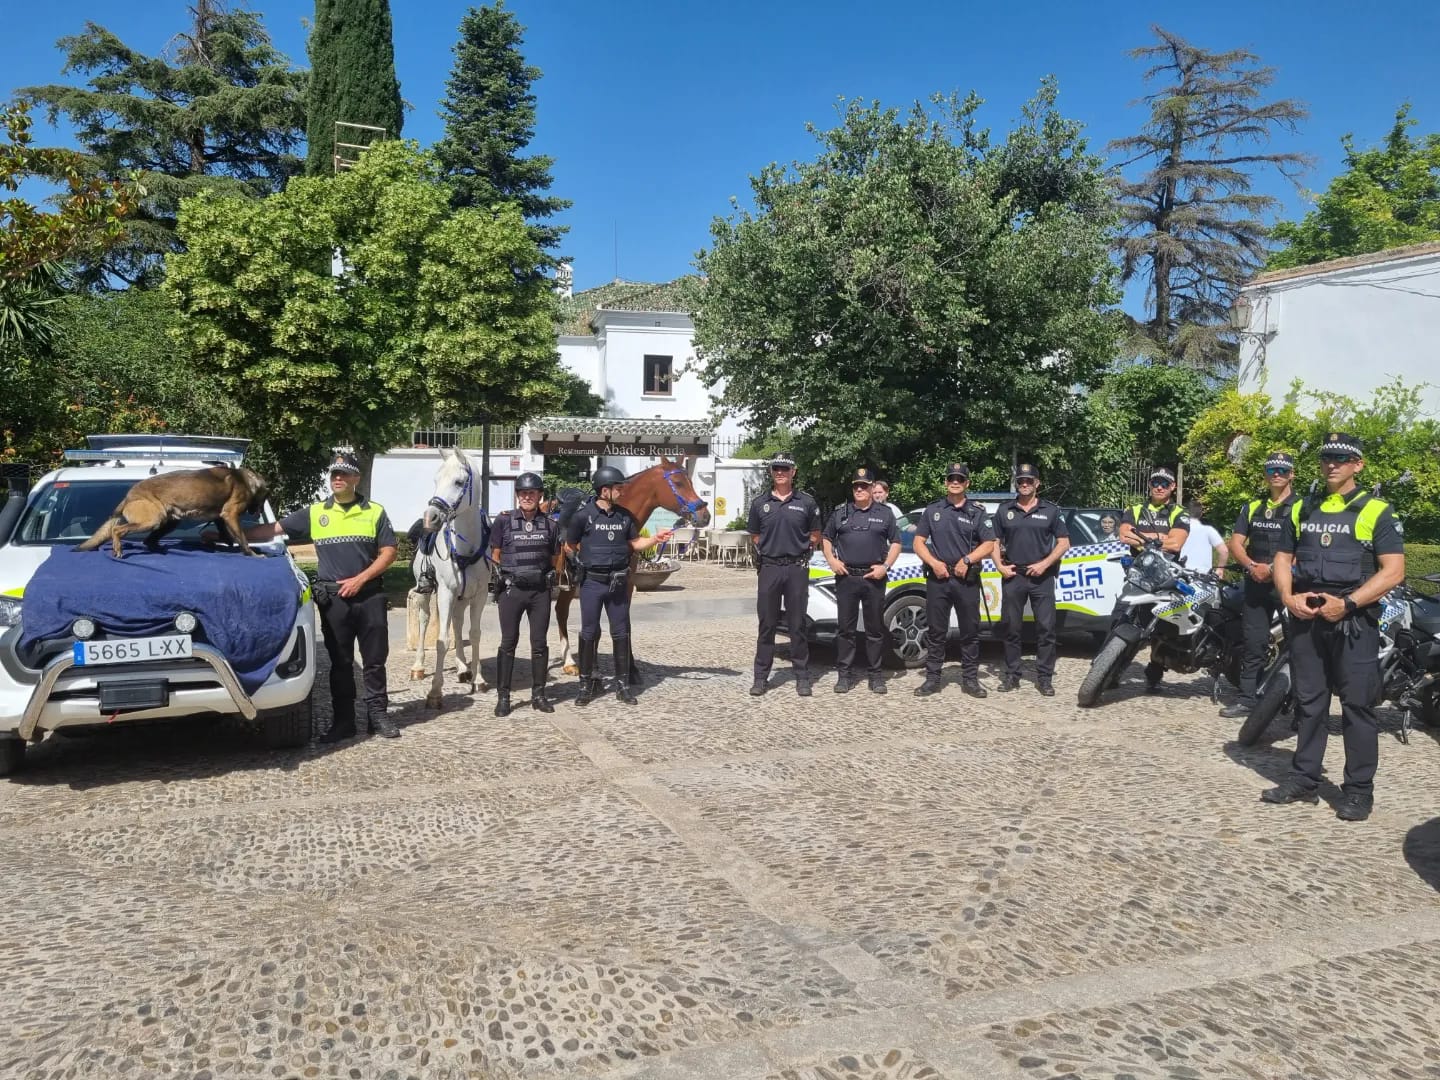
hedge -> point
(1422, 559)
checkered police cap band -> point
(1335, 449)
(1162, 474)
(1278, 460)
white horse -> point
(462, 574)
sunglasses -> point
(1337, 459)
(1278, 472)
(1027, 480)
(1162, 483)
(957, 479)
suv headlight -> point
(9, 611)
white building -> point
(634, 344)
(1345, 325)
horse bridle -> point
(447, 526)
(688, 507)
(447, 509)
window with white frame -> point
(658, 379)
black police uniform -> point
(860, 540)
(526, 571)
(1335, 541)
(1027, 537)
(1262, 524)
(347, 539)
(603, 538)
(784, 527)
(951, 533)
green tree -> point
(223, 110)
(489, 114)
(916, 280)
(90, 216)
(1388, 196)
(1192, 226)
(1228, 444)
(352, 77)
(1159, 404)
(577, 399)
(435, 312)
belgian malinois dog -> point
(160, 503)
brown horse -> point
(666, 484)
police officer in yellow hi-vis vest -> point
(354, 544)
(1340, 553)
(1156, 519)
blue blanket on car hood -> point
(245, 606)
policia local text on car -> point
(1339, 554)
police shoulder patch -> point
(1010, 515)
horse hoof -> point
(432, 701)
(416, 674)
(464, 676)
(572, 669)
(482, 686)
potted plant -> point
(653, 569)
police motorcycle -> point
(1409, 667)
(1190, 617)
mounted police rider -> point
(1257, 535)
(1338, 555)
(522, 547)
(1156, 519)
(603, 535)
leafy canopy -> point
(1229, 442)
(1388, 196)
(436, 311)
(224, 109)
(489, 114)
(915, 280)
(1191, 227)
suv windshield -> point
(67, 512)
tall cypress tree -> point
(352, 79)
(489, 114)
(222, 109)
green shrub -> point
(1422, 559)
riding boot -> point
(589, 685)
(539, 671)
(621, 646)
(505, 665)
(380, 722)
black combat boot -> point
(539, 672)
(505, 665)
(621, 646)
(380, 722)
(589, 685)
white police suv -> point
(175, 633)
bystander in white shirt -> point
(1204, 548)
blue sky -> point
(657, 113)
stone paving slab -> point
(711, 885)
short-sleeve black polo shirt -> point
(784, 525)
(1028, 536)
(862, 537)
(951, 532)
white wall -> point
(1348, 331)
(403, 480)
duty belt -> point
(858, 568)
(784, 560)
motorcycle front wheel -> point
(1104, 671)
(1272, 701)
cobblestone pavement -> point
(709, 885)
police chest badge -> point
(765, 508)
(1010, 515)
(529, 526)
(324, 520)
(1269, 513)
(1324, 539)
(937, 517)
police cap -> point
(1278, 459)
(782, 460)
(345, 462)
(1341, 444)
(862, 476)
(958, 469)
(1027, 472)
(1162, 474)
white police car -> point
(93, 675)
(1086, 586)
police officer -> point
(952, 537)
(784, 525)
(604, 534)
(522, 547)
(1257, 534)
(1032, 537)
(1158, 518)
(354, 544)
(1338, 555)
(862, 541)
